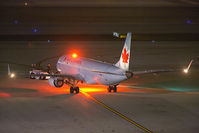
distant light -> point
(15, 22)
(122, 36)
(188, 21)
(74, 55)
(35, 30)
(25, 3)
(48, 41)
(185, 70)
(12, 75)
(153, 41)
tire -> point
(32, 76)
(42, 77)
(77, 89)
(109, 89)
(71, 90)
(115, 88)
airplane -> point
(73, 69)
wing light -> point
(186, 70)
(12, 75)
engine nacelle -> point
(55, 82)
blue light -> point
(15, 22)
(48, 41)
(35, 30)
(188, 21)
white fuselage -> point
(91, 71)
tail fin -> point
(123, 63)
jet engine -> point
(55, 82)
(129, 74)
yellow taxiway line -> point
(117, 113)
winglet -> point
(11, 75)
(9, 70)
(123, 63)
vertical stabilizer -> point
(123, 63)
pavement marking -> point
(117, 113)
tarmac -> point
(158, 103)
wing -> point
(153, 71)
(108, 73)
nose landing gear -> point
(72, 89)
(112, 87)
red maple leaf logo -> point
(125, 56)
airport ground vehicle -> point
(33, 74)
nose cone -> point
(129, 74)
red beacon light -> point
(74, 55)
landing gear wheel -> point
(74, 89)
(71, 89)
(77, 89)
(32, 76)
(115, 88)
(109, 89)
(42, 77)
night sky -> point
(92, 17)
(110, 3)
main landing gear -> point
(112, 87)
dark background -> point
(96, 20)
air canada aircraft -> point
(73, 69)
